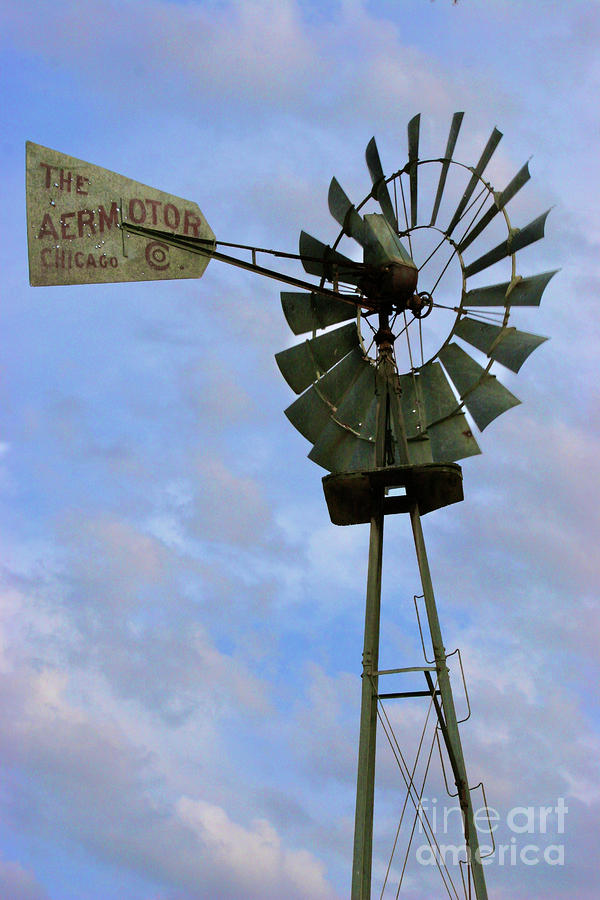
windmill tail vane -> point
(376, 425)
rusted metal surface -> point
(351, 496)
(74, 215)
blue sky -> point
(180, 624)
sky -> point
(180, 623)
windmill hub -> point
(385, 337)
(391, 285)
(420, 304)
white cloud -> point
(244, 50)
(17, 883)
(252, 862)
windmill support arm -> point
(448, 722)
(363, 829)
(207, 248)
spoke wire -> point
(412, 366)
(412, 775)
(491, 316)
(462, 863)
(445, 306)
(454, 251)
(445, 236)
(396, 200)
(417, 817)
(406, 324)
(471, 204)
(370, 347)
(373, 330)
(396, 750)
(402, 330)
(433, 252)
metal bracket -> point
(406, 694)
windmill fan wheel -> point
(398, 327)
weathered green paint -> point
(483, 395)
(320, 260)
(351, 496)
(453, 736)
(520, 292)
(388, 399)
(494, 140)
(365, 781)
(450, 145)
(382, 245)
(519, 238)
(74, 212)
(379, 184)
(306, 312)
(413, 156)
(303, 364)
(507, 345)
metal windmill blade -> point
(431, 401)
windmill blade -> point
(431, 410)
(438, 397)
(378, 240)
(356, 409)
(452, 439)
(524, 292)
(340, 450)
(344, 212)
(506, 345)
(382, 244)
(491, 145)
(320, 260)
(308, 312)
(380, 188)
(412, 406)
(482, 393)
(347, 443)
(313, 410)
(303, 364)
(413, 156)
(451, 144)
(414, 417)
(426, 398)
(521, 178)
(518, 239)
(309, 414)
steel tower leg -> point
(450, 725)
(363, 825)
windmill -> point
(389, 434)
(377, 428)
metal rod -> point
(409, 669)
(365, 787)
(204, 248)
(451, 733)
(365, 784)
(397, 696)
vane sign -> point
(74, 216)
